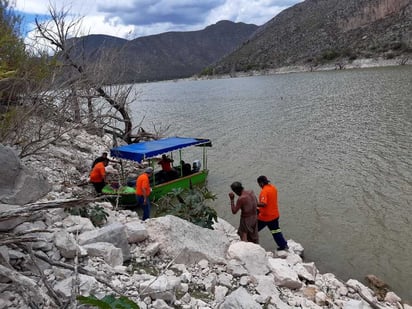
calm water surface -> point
(336, 144)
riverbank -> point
(166, 262)
(345, 65)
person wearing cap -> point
(247, 203)
(269, 211)
(143, 191)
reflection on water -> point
(336, 144)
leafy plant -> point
(96, 214)
(190, 205)
(108, 302)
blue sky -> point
(134, 18)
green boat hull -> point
(127, 195)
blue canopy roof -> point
(146, 150)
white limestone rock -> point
(236, 268)
(220, 293)
(113, 233)
(251, 255)
(136, 231)
(112, 255)
(187, 242)
(66, 244)
(87, 285)
(163, 287)
(284, 275)
(392, 298)
(78, 224)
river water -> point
(336, 144)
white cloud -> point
(127, 18)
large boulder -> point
(19, 185)
(186, 241)
(113, 233)
(252, 256)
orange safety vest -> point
(143, 182)
(269, 196)
(98, 173)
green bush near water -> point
(190, 205)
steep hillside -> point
(164, 56)
(318, 31)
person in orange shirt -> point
(168, 172)
(269, 211)
(98, 176)
(143, 192)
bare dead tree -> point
(56, 32)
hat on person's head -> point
(148, 170)
(263, 179)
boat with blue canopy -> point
(149, 152)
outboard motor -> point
(196, 166)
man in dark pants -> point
(269, 211)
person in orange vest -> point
(98, 176)
(269, 211)
(143, 192)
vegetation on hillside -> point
(42, 96)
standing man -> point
(247, 203)
(143, 192)
(98, 175)
(269, 211)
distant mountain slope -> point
(316, 31)
(164, 56)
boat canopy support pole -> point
(204, 158)
(180, 160)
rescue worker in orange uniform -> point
(269, 211)
(143, 192)
(98, 176)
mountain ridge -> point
(164, 56)
(317, 31)
(310, 34)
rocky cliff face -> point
(318, 31)
(371, 12)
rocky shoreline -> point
(163, 262)
(346, 65)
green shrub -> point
(96, 214)
(330, 54)
(108, 302)
(190, 205)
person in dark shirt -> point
(102, 158)
(186, 168)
